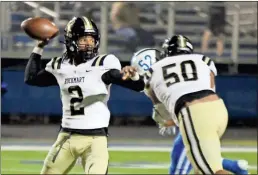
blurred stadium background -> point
(31, 116)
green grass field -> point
(121, 162)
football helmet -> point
(177, 44)
(79, 27)
(144, 59)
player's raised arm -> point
(35, 75)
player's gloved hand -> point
(163, 130)
(43, 43)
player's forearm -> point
(114, 76)
(33, 66)
(34, 74)
(160, 114)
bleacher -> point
(190, 20)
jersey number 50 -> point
(187, 67)
(78, 91)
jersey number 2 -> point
(186, 68)
(78, 91)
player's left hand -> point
(128, 72)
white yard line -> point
(23, 170)
(124, 148)
(35, 171)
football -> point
(39, 28)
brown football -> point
(39, 28)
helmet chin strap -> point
(78, 59)
(83, 56)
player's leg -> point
(181, 165)
(235, 166)
(199, 126)
(95, 159)
(59, 160)
(179, 161)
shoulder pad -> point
(211, 64)
(207, 60)
(99, 60)
(54, 64)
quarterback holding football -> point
(84, 78)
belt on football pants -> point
(88, 132)
(187, 98)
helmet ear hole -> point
(73, 46)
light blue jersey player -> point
(142, 61)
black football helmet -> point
(76, 28)
(176, 45)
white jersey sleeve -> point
(112, 62)
(211, 64)
(53, 65)
(109, 61)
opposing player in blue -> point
(142, 61)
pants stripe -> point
(180, 162)
(187, 166)
(107, 168)
(192, 138)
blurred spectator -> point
(125, 21)
(216, 27)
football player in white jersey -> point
(84, 78)
(184, 83)
(142, 61)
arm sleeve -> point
(34, 74)
(114, 76)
